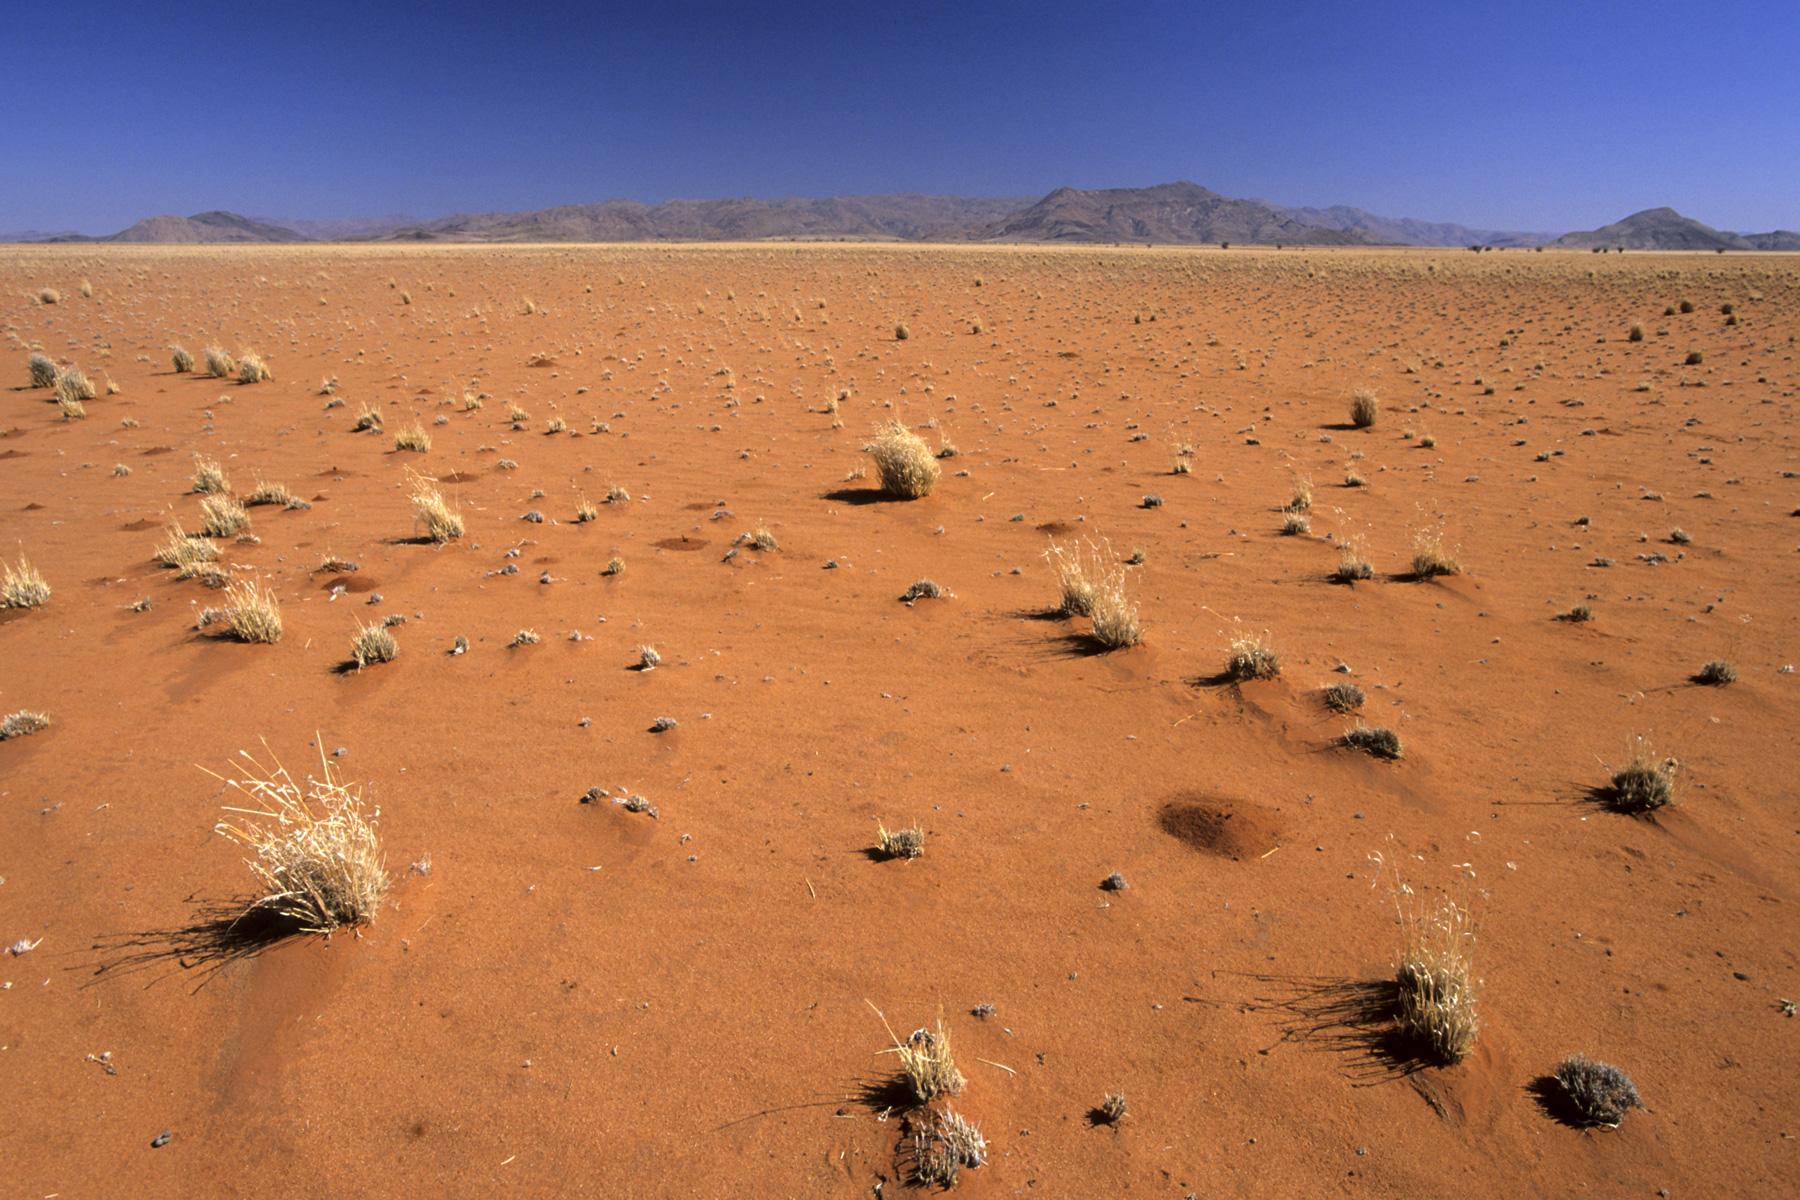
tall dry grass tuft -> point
(1364, 408)
(221, 516)
(1091, 582)
(926, 1061)
(250, 613)
(182, 360)
(904, 463)
(442, 520)
(1430, 558)
(43, 370)
(1434, 981)
(314, 850)
(219, 364)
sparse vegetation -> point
(252, 369)
(373, 644)
(1382, 743)
(1251, 657)
(1113, 1108)
(944, 1143)
(1598, 1094)
(1342, 697)
(219, 364)
(43, 370)
(221, 516)
(442, 520)
(413, 437)
(1364, 408)
(314, 850)
(899, 843)
(1430, 558)
(22, 586)
(904, 464)
(1644, 784)
(209, 477)
(23, 723)
(1351, 565)
(1717, 673)
(1434, 980)
(250, 613)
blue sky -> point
(1539, 114)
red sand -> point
(579, 1000)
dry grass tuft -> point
(1644, 784)
(314, 851)
(1436, 990)
(1252, 657)
(43, 370)
(209, 477)
(1342, 697)
(373, 644)
(268, 493)
(22, 586)
(925, 1061)
(413, 437)
(586, 510)
(443, 521)
(250, 613)
(1599, 1094)
(899, 843)
(1302, 499)
(904, 464)
(1075, 589)
(252, 369)
(221, 516)
(1430, 558)
(648, 658)
(943, 1145)
(182, 360)
(72, 383)
(1364, 408)
(1717, 673)
(23, 723)
(1113, 1108)
(186, 552)
(1351, 565)
(368, 418)
(1380, 742)
(219, 364)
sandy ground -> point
(580, 1000)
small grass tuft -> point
(219, 364)
(209, 477)
(1252, 657)
(250, 613)
(1717, 673)
(221, 516)
(1342, 697)
(252, 369)
(1430, 558)
(23, 723)
(899, 843)
(43, 370)
(1436, 988)
(413, 437)
(373, 644)
(1364, 408)
(442, 520)
(22, 586)
(1644, 784)
(1598, 1093)
(1380, 742)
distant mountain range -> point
(1170, 213)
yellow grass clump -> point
(904, 462)
(22, 586)
(1430, 558)
(314, 850)
(252, 369)
(250, 613)
(221, 516)
(442, 520)
(209, 477)
(219, 364)
(373, 644)
(413, 437)
(1434, 981)
(1364, 408)
(926, 1061)
(182, 360)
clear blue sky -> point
(1540, 114)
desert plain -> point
(1140, 875)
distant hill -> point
(904, 217)
(1666, 229)
(340, 229)
(38, 235)
(1168, 212)
(1406, 231)
(206, 227)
